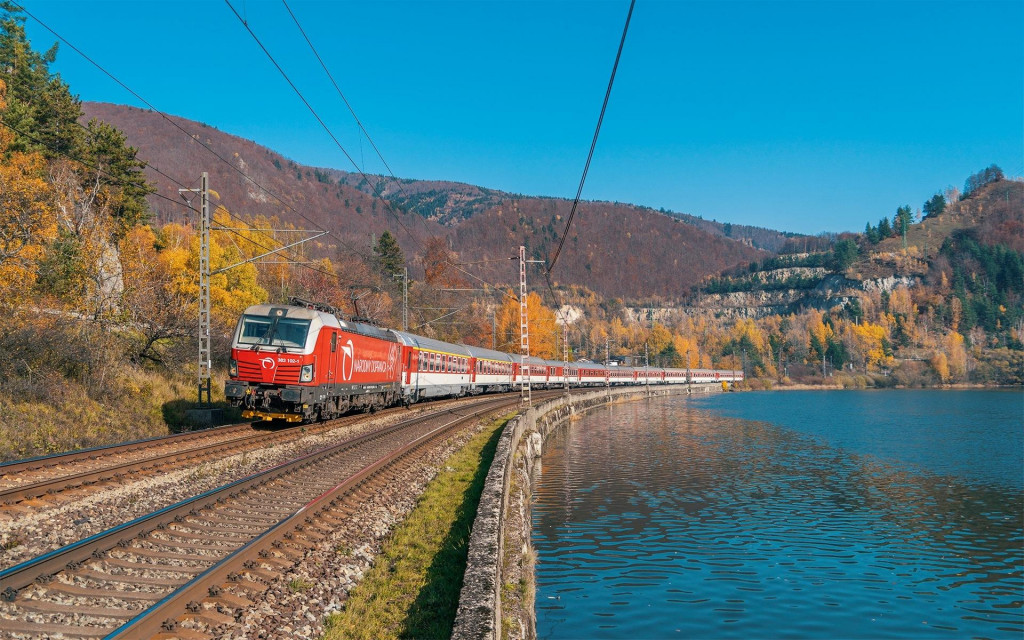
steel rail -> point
(15, 493)
(94, 453)
(11, 495)
(161, 616)
(42, 568)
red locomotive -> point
(303, 363)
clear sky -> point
(800, 116)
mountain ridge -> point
(616, 249)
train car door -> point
(332, 364)
(410, 358)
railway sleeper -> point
(102, 576)
(48, 607)
(95, 592)
(146, 566)
(161, 555)
(35, 630)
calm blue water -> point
(834, 514)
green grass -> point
(412, 591)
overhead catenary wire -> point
(348, 105)
(173, 201)
(81, 160)
(593, 144)
(204, 145)
(387, 205)
(176, 202)
(191, 136)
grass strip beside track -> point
(412, 591)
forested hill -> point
(449, 203)
(617, 250)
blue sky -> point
(799, 116)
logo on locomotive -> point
(394, 355)
(268, 363)
(348, 360)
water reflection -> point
(661, 519)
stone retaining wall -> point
(489, 565)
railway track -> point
(50, 476)
(190, 568)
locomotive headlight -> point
(233, 368)
(306, 374)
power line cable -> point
(171, 200)
(227, 211)
(366, 133)
(593, 144)
(86, 163)
(316, 115)
(166, 117)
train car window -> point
(334, 342)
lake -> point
(855, 514)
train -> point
(304, 362)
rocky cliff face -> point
(832, 291)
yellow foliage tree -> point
(956, 354)
(659, 339)
(868, 340)
(175, 258)
(940, 363)
(543, 330)
(27, 223)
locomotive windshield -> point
(274, 332)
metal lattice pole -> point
(607, 368)
(565, 352)
(524, 331)
(405, 296)
(647, 369)
(205, 365)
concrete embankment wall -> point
(499, 569)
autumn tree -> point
(158, 308)
(26, 216)
(956, 356)
(437, 261)
(870, 346)
(543, 329)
